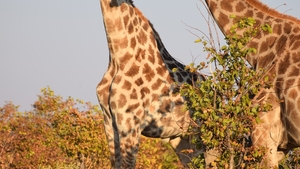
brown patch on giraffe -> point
(134, 134)
(160, 71)
(281, 44)
(136, 121)
(298, 108)
(151, 57)
(117, 79)
(113, 105)
(135, 22)
(128, 122)
(132, 107)
(277, 28)
(134, 95)
(134, 70)
(265, 45)
(123, 8)
(146, 103)
(293, 94)
(139, 113)
(112, 72)
(146, 26)
(122, 42)
(130, 28)
(103, 81)
(103, 93)
(296, 30)
(165, 91)
(148, 72)
(118, 24)
(223, 20)
(260, 15)
(165, 107)
(126, 20)
(157, 84)
(142, 38)
(155, 97)
(283, 65)
(295, 57)
(239, 7)
(159, 59)
(109, 25)
(120, 118)
(250, 13)
(287, 28)
(124, 60)
(133, 43)
(253, 44)
(213, 6)
(123, 134)
(295, 43)
(144, 92)
(122, 101)
(131, 12)
(139, 82)
(126, 85)
(139, 54)
(294, 72)
(169, 79)
(153, 42)
(265, 61)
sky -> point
(62, 43)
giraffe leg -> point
(269, 134)
(179, 144)
(113, 140)
(129, 145)
(183, 143)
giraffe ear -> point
(116, 3)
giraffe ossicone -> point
(137, 93)
(279, 52)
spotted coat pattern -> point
(139, 91)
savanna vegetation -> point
(66, 134)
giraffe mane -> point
(272, 12)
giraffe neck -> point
(281, 25)
(131, 36)
(223, 9)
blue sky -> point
(62, 43)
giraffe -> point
(139, 92)
(279, 53)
